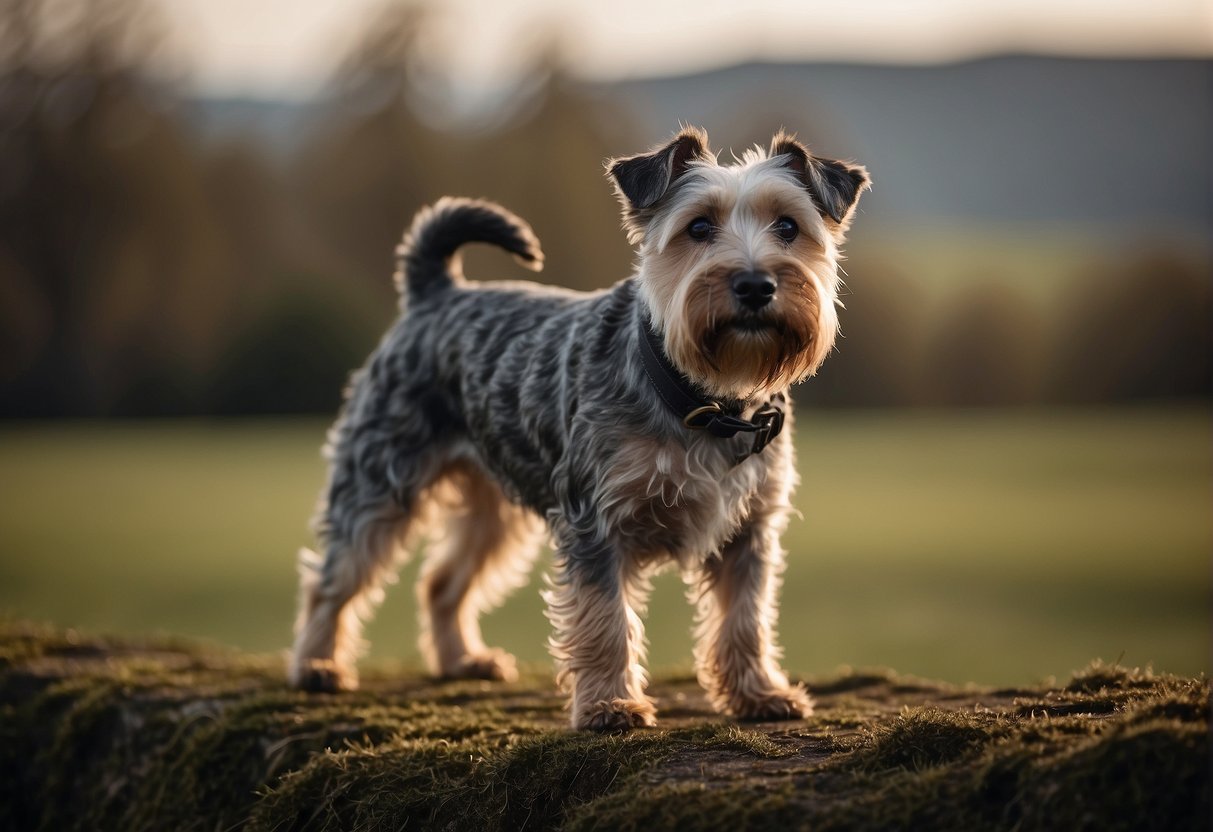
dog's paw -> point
(493, 664)
(777, 705)
(321, 676)
(616, 716)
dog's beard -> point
(727, 350)
(737, 354)
(758, 353)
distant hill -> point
(1104, 146)
(1102, 143)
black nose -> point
(754, 289)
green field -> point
(994, 547)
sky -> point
(288, 47)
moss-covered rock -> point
(100, 733)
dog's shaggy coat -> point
(490, 406)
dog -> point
(638, 426)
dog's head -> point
(739, 263)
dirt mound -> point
(100, 733)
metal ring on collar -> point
(712, 408)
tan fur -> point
(599, 648)
(668, 500)
(485, 552)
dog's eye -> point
(786, 229)
(700, 229)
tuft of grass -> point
(921, 738)
(1101, 676)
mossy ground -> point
(107, 734)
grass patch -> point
(1131, 753)
(150, 734)
(991, 546)
(922, 738)
(527, 783)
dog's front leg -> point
(737, 657)
(595, 599)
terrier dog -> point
(646, 424)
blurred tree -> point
(292, 356)
(985, 350)
(259, 226)
(1142, 329)
(100, 199)
(877, 359)
(548, 168)
(368, 166)
(377, 160)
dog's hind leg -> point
(485, 552)
(376, 487)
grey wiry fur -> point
(488, 406)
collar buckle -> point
(768, 422)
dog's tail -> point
(425, 261)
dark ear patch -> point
(840, 186)
(835, 186)
(643, 179)
(797, 153)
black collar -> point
(695, 410)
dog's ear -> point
(834, 185)
(642, 180)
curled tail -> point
(423, 260)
